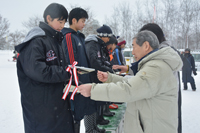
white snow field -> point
(11, 120)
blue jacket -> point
(188, 67)
(117, 57)
(82, 106)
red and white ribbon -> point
(70, 81)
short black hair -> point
(155, 28)
(77, 13)
(56, 10)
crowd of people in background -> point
(152, 94)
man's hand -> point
(123, 68)
(85, 90)
(102, 76)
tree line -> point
(179, 19)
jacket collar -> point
(134, 66)
(51, 32)
(69, 30)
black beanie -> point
(104, 31)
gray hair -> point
(148, 36)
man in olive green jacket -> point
(151, 94)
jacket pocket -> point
(139, 123)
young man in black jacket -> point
(74, 45)
(97, 52)
(41, 73)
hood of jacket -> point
(91, 38)
(35, 32)
(164, 44)
(42, 30)
(166, 54)
(94, 38)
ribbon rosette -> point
(70, 81)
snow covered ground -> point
(11, 113)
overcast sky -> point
(18, 11)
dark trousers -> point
(192, 83)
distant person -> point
(151, 94)
(74, 45)
(16, 54)
(41, 74)
(188, 68)
(119, 51)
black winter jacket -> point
(41, 75)
(82, 105)
(98, 56)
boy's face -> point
(80, 24)
(109, 47)
(122, 46)
(105, 39)
(113, 47)
(56, 24)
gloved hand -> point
(195, 73)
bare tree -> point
(121, 21)
(91, 24)
(114, 21)
(15, 38)
(187, 13)
(4, 31)
(32, 22)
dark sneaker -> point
(103, 122)
(92, 131)
(100, 130)
(110, 114)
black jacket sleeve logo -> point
(50, 55)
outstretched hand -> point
(85, 90)
(123, 68)
(102, 76)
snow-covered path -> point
(10, 107)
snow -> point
(11, 120)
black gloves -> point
(195, 73)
